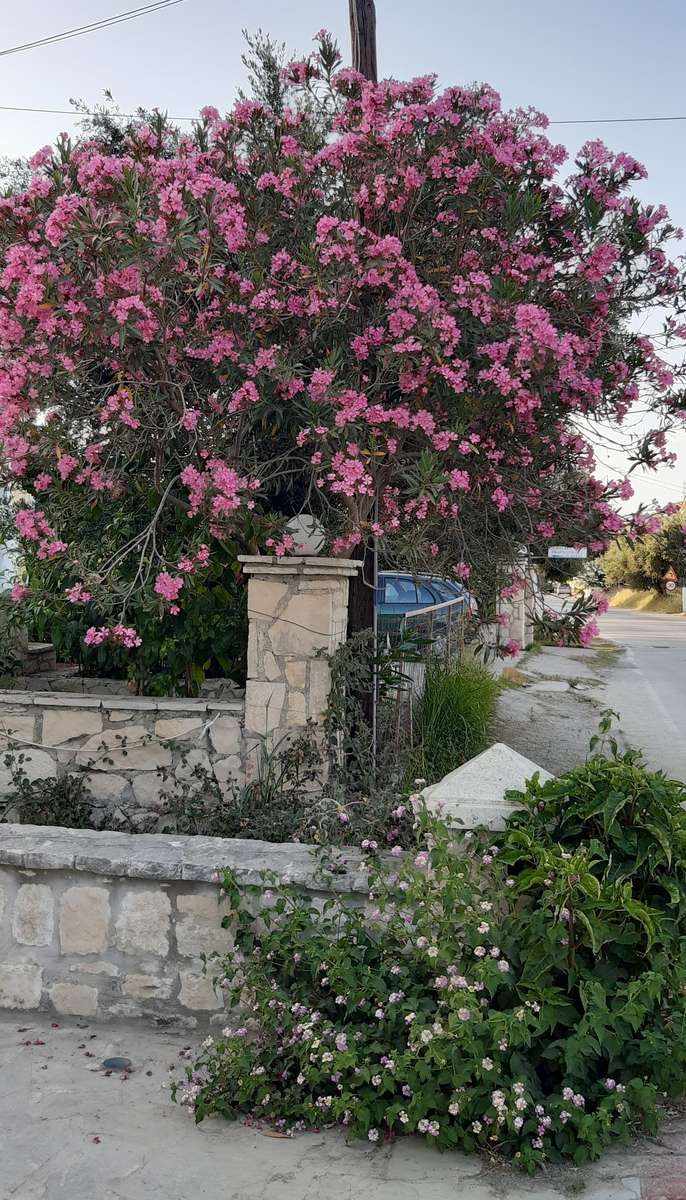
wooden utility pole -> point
(363, 37)
(362, 608)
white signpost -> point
(567, 552)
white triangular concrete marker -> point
(474, 794)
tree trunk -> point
(363, 37)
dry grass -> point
(646, 601)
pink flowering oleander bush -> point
(575, 625)
(389, 306)
(514, 998)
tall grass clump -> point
(452, 718)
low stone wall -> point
(111, 925)
(130, 749)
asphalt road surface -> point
(648, 684)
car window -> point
(400, 591)
(429, 594)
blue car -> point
(401, 593)
(440, 605)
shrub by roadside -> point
(452, 718)
(523, 998)
(646, 601)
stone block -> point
(17, 725)
(36, 765)
(263, 706)
(20, 985)
(117, 718)
(225, 735)
(33, 920)
(108, 789)
(320, 686)
(147, 987)
(65, 726)
(74, 999)
(132, 750)
(148, 789)
(226, 769)
(474, 794)
(197, 992)
(84, 920)
(192, 761)
(296, 673)
(265, 596)
(178, 728)
(303, 627)
(142, 926)
(199, 926)
(295, 709)
(270, 666)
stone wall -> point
(129, 749)
(297, 613)
(111, 925)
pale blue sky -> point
(605, 58)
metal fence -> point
(438, 633)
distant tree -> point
(643, 561)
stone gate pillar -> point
(297, 607)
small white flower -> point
(373, 1135)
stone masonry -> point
(297, 612)
(112, 925)
(129, 749)
(132, 750)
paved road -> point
(648, 685)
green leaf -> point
(661, 837)
(614, 804)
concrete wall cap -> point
(162, 856)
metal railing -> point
(438, 632)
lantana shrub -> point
(380, 303)
(513, 994)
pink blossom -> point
(76, 594)
(168, 586)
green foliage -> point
(524, 998)
(452, 718)
(65, 801)
(630, 819)
(572, 627)
(642, 562)
(208, 636)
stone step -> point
(39, 657)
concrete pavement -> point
(70, 1132)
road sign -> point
(670, 576)
(670, 586)
(567, 552)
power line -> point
(118, 19)
(69, 112)
(77, 113)
(614, 120)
